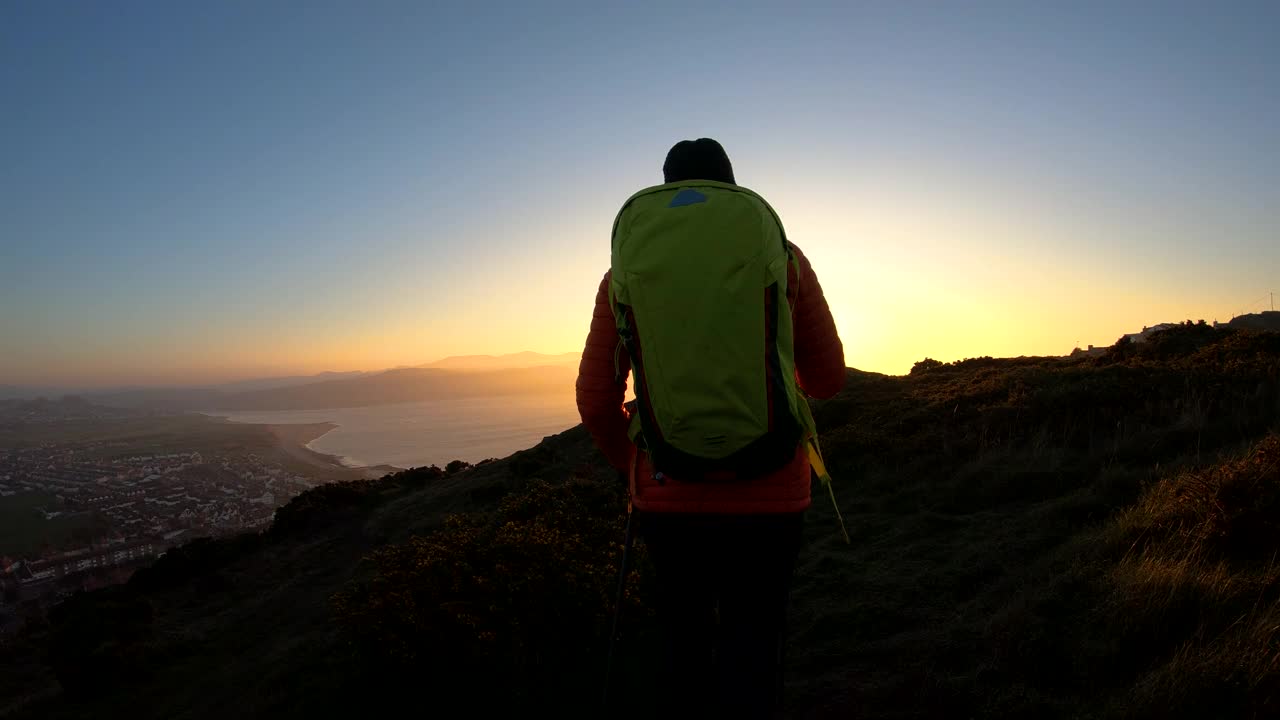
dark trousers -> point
(723, 586)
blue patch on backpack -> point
(687, 196)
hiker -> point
(717, 318)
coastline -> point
(341, 460)
(294, 440)
(388, 438)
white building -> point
(1147, 332)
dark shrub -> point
(456, 466)
(520, 599)
(99, 640)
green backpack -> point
(699, 293)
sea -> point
(431, 432)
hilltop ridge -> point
(1267, 320)
(1050, 537)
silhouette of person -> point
(724, 551)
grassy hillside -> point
(1032, 537)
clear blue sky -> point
(198, 191)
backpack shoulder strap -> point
(793, 276)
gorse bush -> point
(520, 598)
(321, 506)
(99, 641)
(199, 560)
(456, 466)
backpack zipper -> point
(617, 362)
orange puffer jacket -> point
(602, 387)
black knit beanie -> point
(701, 159)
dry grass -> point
(1198, 585)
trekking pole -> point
(617, 610)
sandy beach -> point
(293, 440)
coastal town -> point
(160, 496)
(86, 511)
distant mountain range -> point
(498, 362)
(359, 390)
(452, 377)
(406, 385)
(276, 382)
(31, 392)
